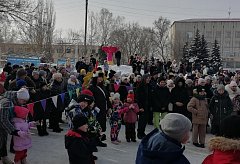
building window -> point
(209, 34)
(189, 35)
(237, 44)
(218, 34)
(230, 64)
(237, 34)
(227, 44)
(228, 34)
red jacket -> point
(130, 114)
(225, 151)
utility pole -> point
(85, 35)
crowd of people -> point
(169, 96)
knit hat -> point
(78, 121)
(73, 77)
(233, 84)
(201, 80)
(21, 112)
(21, 83)
(42, 73)
(131, 95)
(82, 71)
(220, 86)
(230, 128)
(175, 125)
(87, 92)
(23, 94)
(200, 89)
(21, 72)
(116, 96)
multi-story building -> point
(225, 31)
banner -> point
(54, 99)
(44, 103)
(30, 108)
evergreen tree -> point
(204, 52)
(195, 50)
(186, 56)
(215, 58)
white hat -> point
(201, 80)
(116, 96)
(57, 75)
(23, 94)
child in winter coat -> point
(22, 142)
(130, 111)
(198, 106)
(77, 142)
(115, 119)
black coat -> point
(102, 102)
(161, 99)
(118, 55)
(143, 96)
(39, 112)
(180, 94)
(122, 90)
(79, 148)
(220, 107)
(158, 148)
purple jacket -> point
(24, 142)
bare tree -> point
(40, 29)
(16, 10)
(160, 38)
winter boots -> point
(42, 130)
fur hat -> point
(116, 96)
(189, 81)
(56, 75)
(21, 112)
(233, 84)
(169, 82)
(175, 125)
(78, 121)
(35, 73)
(230, 128)
(23, 94)
(200, 89)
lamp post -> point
(85, 34)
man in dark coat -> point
(11, 76)
(93, 60)
(122, 90)
(160, 101)
(118, 56)
(180, 98)
(101, 97)
(165, 146)
(143, 100)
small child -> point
(23, 141)
(115, 119)
(77, 142)
(130, 111)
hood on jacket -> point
(231, 93)
(224, 144)
(156, 146)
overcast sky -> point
(71, 13)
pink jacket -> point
(130, 114)
(24, 142)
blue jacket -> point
(158, 148)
